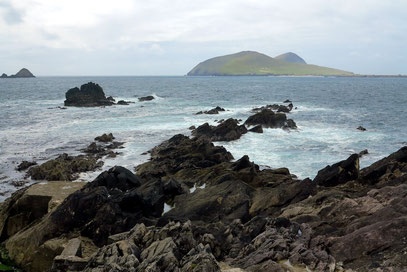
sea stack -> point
(89, 95)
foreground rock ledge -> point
(222, 211)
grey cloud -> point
(10, 14)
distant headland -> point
(257, 64)
(23, 73)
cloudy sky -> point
(161, 37)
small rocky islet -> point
(23, 73)
(193, 207)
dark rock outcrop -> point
(268, 119)
(146, 98)
(361, 128)
(182, 153)
(257, 129)
(363, 220)
(228, 130)
(275, 107)
(64, 167)
(339, 173)
(24, 165)
(215, 110)
(105, 138)
(235, 216)
(3, 75)
(89, 95)
(226, 201)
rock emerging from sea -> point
(269, 119)
(88, 95)
(23, 73)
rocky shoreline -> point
(223, 213)
(194, 207)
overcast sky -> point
(169, 37)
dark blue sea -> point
(328, 112)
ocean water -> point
(328, 112)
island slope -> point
(254, 63)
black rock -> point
(267, 118)
(122, 102)
(228, 130)
(211, 111)
(89, 95)
(361, 128)
(287, 101)
(105, 138)
(339, 173)
(146, 98)
(257, 129)
(25, 165)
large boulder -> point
(339, 173)
(30, 204)
(88, 95)
(268, 119)
(228, 130)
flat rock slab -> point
(58, 190)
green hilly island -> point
(255, 63)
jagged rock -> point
(64, 167)
(25, 165)
(339, 173)
(228, 130)
(287, 101)
(275, 107)
(181, 152)
(268, 119)
(105, 138)
(257, 129)
(361, 128)
(215, 110)
(89, 95)
(391, 168)
(226, 201)
(146, 98)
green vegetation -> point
(254, 63)
(6, 264)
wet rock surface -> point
(68, 168)
(221, 212)
(64, 167)
(269, 119)
(228, 130)
(24, 165)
